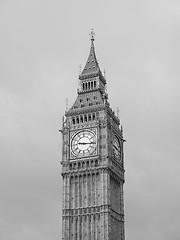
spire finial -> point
(92, 34)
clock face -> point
(83, 143)
(116, 149)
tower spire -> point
(91, 68)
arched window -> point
(79, 165)
(94, 116)
(81, 119)
(89, 86)
(85, 118)
(94, 84)
(77, 120)
(89, 117)
(73, 120)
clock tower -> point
(92, 162)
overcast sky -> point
(42, 44)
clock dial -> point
(83, 143)
(116, 149)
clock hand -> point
(82, 143)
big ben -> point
(92, 162)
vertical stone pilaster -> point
(95, 187)
(70, 228)
(73, 228)
(108, 189)
(82, 227)
(95, 226)
(82, 190)
(102, 188)
(106, 226)
(99, 227)
(64, 192)
(92, 227)
(67, 228)
(95, 190)
(90, 190)
(78, 192)
(102, 226)
(73, 193)
(67, 205)
(105, 187)
(86, 204)
(122, 199)
(63, 228)
(68, 192)
(78, 228)
(88, 227)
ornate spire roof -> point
(91, 68)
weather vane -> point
(92, 34)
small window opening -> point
(81, 118)
(79, 165)
(73, 121)
(91, 85)
(89, 117)
(96, 163)
(94, 84)
(85, 118)
(87, 164)
(77, 120)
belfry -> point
(92, 162)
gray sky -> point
(42, 44)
